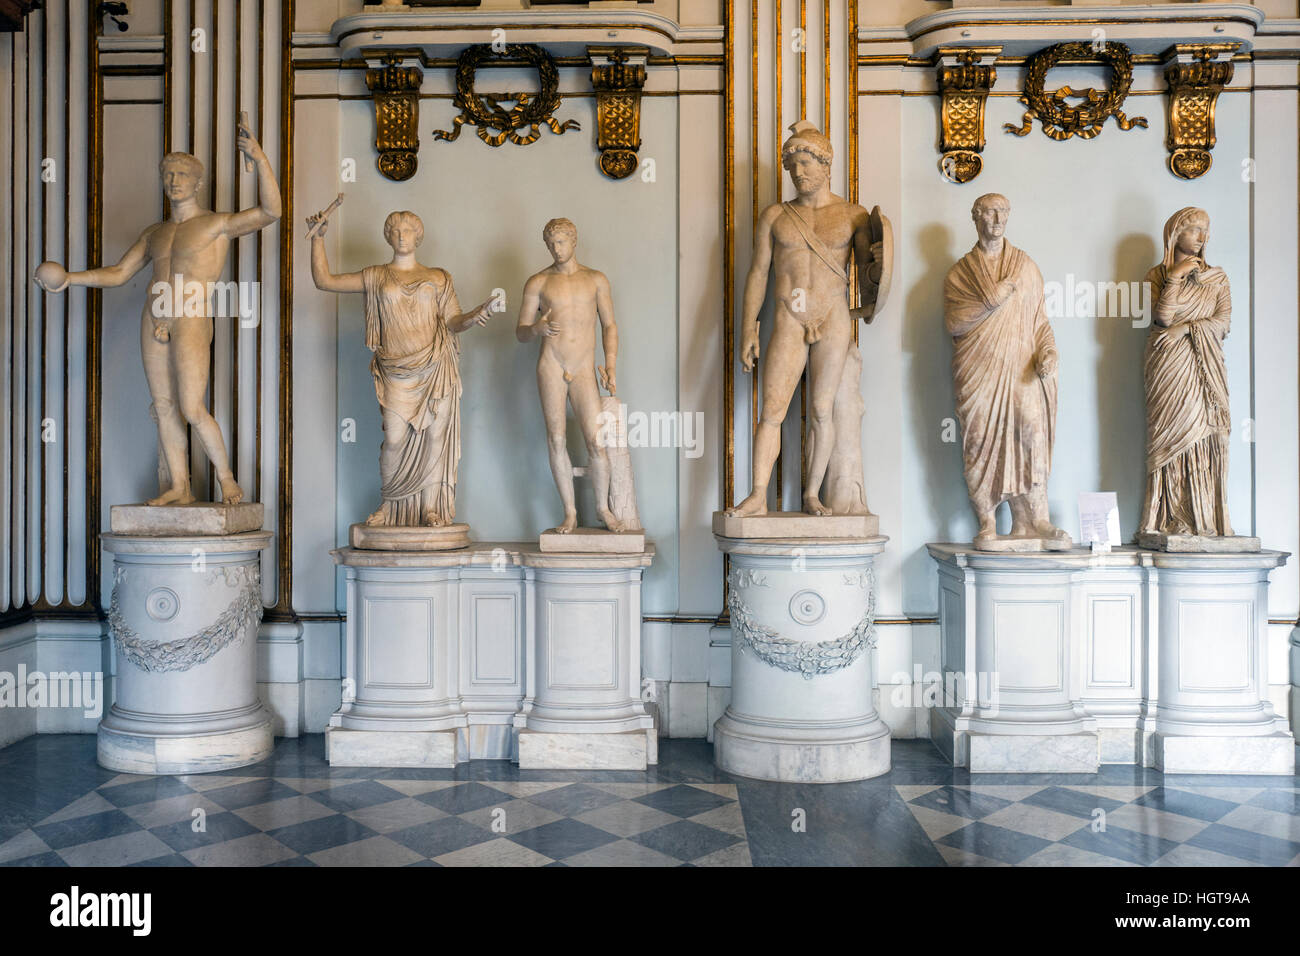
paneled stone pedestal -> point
(184, 618)
(495, 651)
(1061, 662)
(802, 625)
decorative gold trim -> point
(1196, 74)
(1061, 120)
(283, 609)
(530, 112)
(395, 90)
(618, 75)
(964, 76)
(95, 310)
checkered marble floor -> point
(229, 820)
(59, 808)
(1115, 825)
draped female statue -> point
(412, 316)
(1188, 417)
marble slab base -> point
(592, 541)
(1271, 754)
(192, 753)
(391, 748)
(449, 537)
(1197, 544)
(795, 524)
(1033, 753)
(539, 750)
(196, 518)
(1022, 543)
(743, 748)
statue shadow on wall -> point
(929, 348)
(1121, 394)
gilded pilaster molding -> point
(618, 75)
(965, 76)
(396, 93)
(1196, 74)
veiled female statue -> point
(1188, 416)
(412, 317)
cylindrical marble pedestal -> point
(184, 618)
(802, 630)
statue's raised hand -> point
(248, 145)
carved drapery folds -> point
(1062, 118)
(965, 76)
(1196, 74)
(395, 90)
(521, 124)
(618, 74)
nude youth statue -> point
(188, 248)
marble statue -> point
(1004, 367)
(1188, 416)
(412, 315)
(188, 251)
(807, 242)
(562, 306)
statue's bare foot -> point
(613, 524)
(231, 494)
(376, 518)
(570, 522)
(812, 505)
(176, 495)
(985, 538)
(433, 520)
(755, 504)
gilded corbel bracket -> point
(1196, 74)
(618, 75)
(395, 90)
(965, 76)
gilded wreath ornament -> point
(1060, 118)
(484, 110)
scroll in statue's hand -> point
(319, 223)
(248, 145)
(1046, 362)
(749, 348)
(481, 315)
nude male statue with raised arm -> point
(571, 297)
(188, 251)
(806, 242)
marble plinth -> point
(781, 525)
(485, 644)
(631, 750)
(802, 624)
(449, 537)
(1057, 662)
(1195, 543)
(196, 518)
(393, 748)
(592, 541)
(184, 617)
(1022, 543)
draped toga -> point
(417, 377)
(1188, 416)
(1007, 413)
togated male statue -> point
(1004, 379)
(188, 251)
(806, 242)
(571, 298)
(412, 316)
